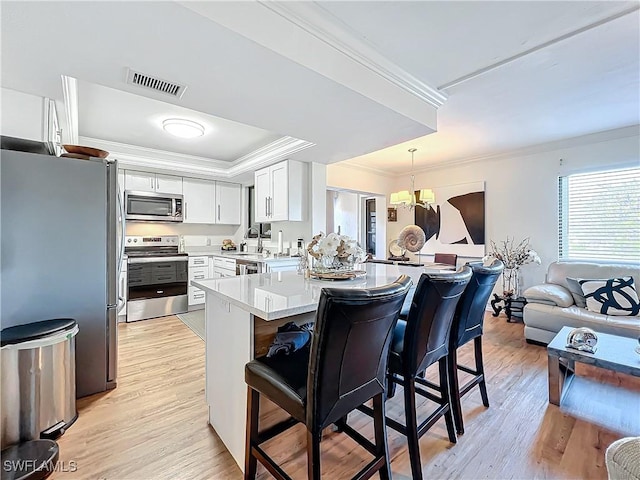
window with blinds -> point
(599, 218)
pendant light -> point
(407, 198)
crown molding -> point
(320, 23)
(152, 159)
(70, 96)
(269, 154)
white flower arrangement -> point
(511, 254)
(335, 250)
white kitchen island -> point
(242, 316)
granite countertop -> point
(237, 255)
(283, 294)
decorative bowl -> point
(89, 151)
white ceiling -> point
(346, 76)
(117, 116)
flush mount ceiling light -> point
(407, 198)
(183, 128)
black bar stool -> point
(418, 343)
(344, 367)
(467, 326)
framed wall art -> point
(455, 223)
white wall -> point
(341, 176)
(521, 198)
(22, 115)
(345, 213)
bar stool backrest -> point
(348, 358)
(426, 337)
(469, 316)
(448, 258)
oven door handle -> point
(181, 258)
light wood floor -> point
(154, 425)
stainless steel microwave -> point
(153, 207)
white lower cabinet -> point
(224, 267)
(282, 266)
(198, 270)
(196, 296)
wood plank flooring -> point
(154, 424)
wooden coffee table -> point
(612, 352)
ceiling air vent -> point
(155, 83)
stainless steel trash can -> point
(38, 396)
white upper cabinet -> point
(279, 202)
(199, 200)
(279, 191)
(262, 192)
(140, 181)
(168, 184)
(152, 182)
(228, 203)
(205, 201)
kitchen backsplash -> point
(213, 235)
(152, 228)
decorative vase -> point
(328, 263)
(511, 282)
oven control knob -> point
(135, 240)
(128, 240)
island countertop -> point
(271, 296)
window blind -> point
(599, 216)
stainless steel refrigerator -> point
(61, 233)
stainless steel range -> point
(157, 277)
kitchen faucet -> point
(246, 235)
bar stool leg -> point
(391, 386)
(477, 343)
(444, 388)
(454, 385)
(412, 427)
(380, 427)
(253, 411)
(313, 454)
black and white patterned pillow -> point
(613, 296)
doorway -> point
(370, 226)
(355, 214)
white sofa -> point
(551, 305)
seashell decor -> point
(412, 238)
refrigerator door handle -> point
(112, 347)
(123, 233)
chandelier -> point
(407, 198)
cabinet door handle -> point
(218, 212)
(266, 206)
(157, 184)
(184, 208)
(151, 183)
